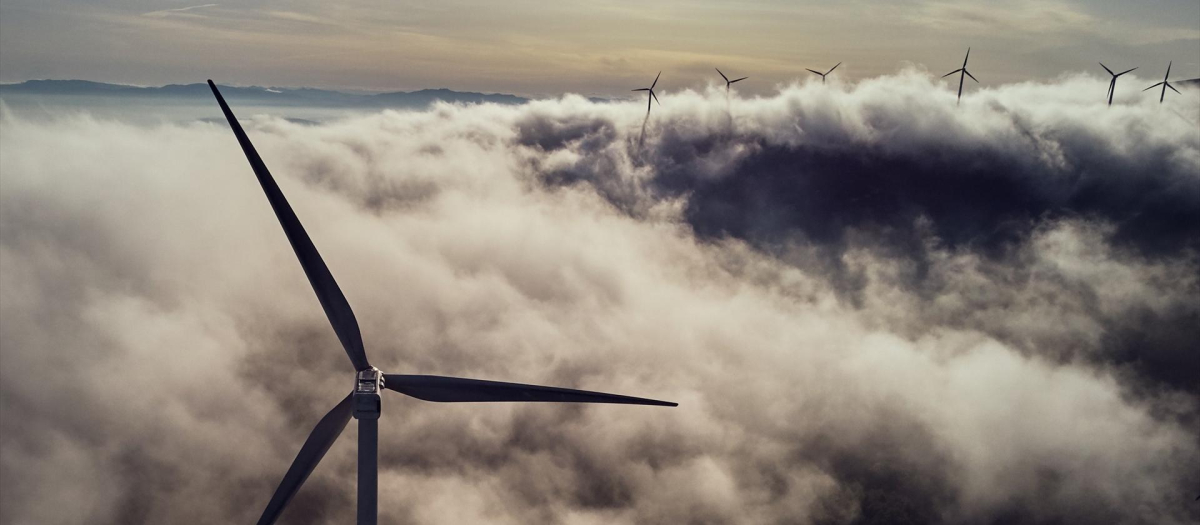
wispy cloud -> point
(1019, 17)
(179, 11)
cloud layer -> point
(872, 306)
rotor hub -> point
(368, 384)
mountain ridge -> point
(259, 94)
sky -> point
(604, 49)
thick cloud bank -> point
(872, 305)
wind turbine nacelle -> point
(367, 386)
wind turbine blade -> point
(833, 68)
(337, 309)
(655, 97)
(1168, 75)
(722, 75)
(970, 75)
(738, 80)
(318, 443)
(642, 89)
(951, 73)
(368, 471)
(459, 390)
(1105, 67)
(1173, 88)
(1154, 86)
(966, 57)
(816, 72)
(1126, 71)
(656, 80)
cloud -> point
(179, 11)
(873, 307)
(1020, 16)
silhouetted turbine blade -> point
(642, 89)
(458, 390)
(1173, 88)
(655, 97)
(656, 80)
(970, 75)
(722, 75)
(337, 309)
(1105, 67)
(951, 73)
(738, 80)
(1126, 71)
(816, 72)
(318, 443)
(833, 68)
(966, 57)
(1154, 86)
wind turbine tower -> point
(652, 96)
(727, 81)
(363, 402)
(962, 74)
(1112, 84)
(1164, 85)
(823, 75)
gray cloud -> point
(888, 359)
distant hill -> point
(426, 97)
(258, 95)
(1193, 83)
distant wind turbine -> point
(727, 81)
(1112, 84)
(825, 73)
(1164, 85)
(963, 71)
(652, 96)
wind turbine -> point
(825, 73)
(363, 402)
(1164, 85)
(964, 71)
(652, 95)
(1112, 84)
(727, 81)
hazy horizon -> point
(537, 50)
(1126, 81)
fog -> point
(873, 306)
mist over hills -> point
(257, 95)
